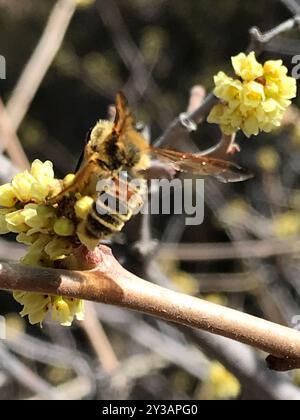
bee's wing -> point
(124, 125)
(124, 120)
(223, 170)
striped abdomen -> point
(115, 205)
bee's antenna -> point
(79, 161)
(87, 137)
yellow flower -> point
(58, 248)
(286, 224)
(22, 184)
(24, 238)
(64, 227)
(252, 95)
(224, 384)
(35, 185)
(247, 67)
(3, 225)
(39, 192)
(278, 84)
(61, 311)
(83, 206)
(35, 305)
(255, 103)
(228, 89)
(268, 159)
(64, 310)
(228, 119)
(16, 221)
(46, 184)
(76, 307)
(68, 179)
(41, 220)
(36, 256)
(8, 197)
(42, 172)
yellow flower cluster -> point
(49, 235)
(256, 99)
(37, 306)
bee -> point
(114, 148)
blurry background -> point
(155, 51)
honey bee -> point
(117, 147)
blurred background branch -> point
(40, 61)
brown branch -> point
(40, 61)
(176, 129)
(110, 283)
(259, 39)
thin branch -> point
(259, 39)
(131, 56)
(24, 375)
(11, 251)
(176, 129)
(242, 361)
(175, 351)
(75, 389)
(7, 169)
(47, 353)
(10, 140)
(40, 61)
(110, 283)
(214, 251)
(97, 336)
(292, 5)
